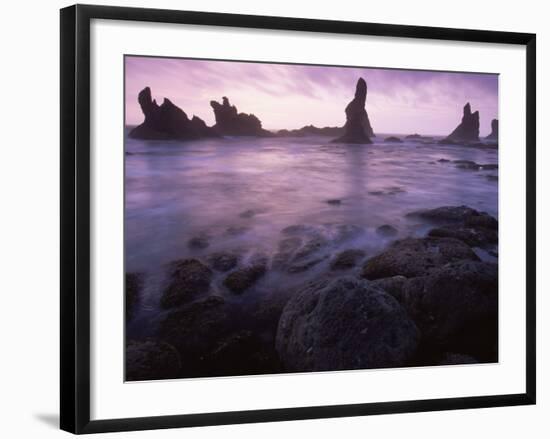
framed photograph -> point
(268, 218)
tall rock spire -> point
(357, 128)
(494, 130)
(468, 129)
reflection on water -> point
(239, 194)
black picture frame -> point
(75, 217)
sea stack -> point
(357, 128)
(494, 130)
(229, 122)
(468, 129)
(167, 121)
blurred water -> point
(241, 192)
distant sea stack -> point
(167, 121)
(229, 122)
(494, 130)
(357, 128)
(468, 129)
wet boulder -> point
(473, 236)
(241, 353)
(456, 214)
(456, 308)
(187, 279)
(342, 324)
(392, 285)
(133, 284)
(196, 328)
(481, 220)
(243, 278)
(413, 257)
(151, 359)
(347, 259)
(445, 214)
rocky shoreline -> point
(421, 301)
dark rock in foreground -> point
(494, 130)
(188, 279)
(310, 130)
(451, 358)
(242, 353)
(456, 308)
(473, 236)
(449, 214)
(344, 324)
(357, 128)
(134, 284)
(240, 280)
(195, 329)
(477, 229)
(392, 285)
(347, 259)
(468, 129)
(151, 360)
(167, 121)
(229, 122)
(413, 257)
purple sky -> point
(291, 96)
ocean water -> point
(240, 194)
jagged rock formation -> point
(357, 128)
(468, 129)
(494, 130)
(230, 122)
(311, 130)
(167, 121)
